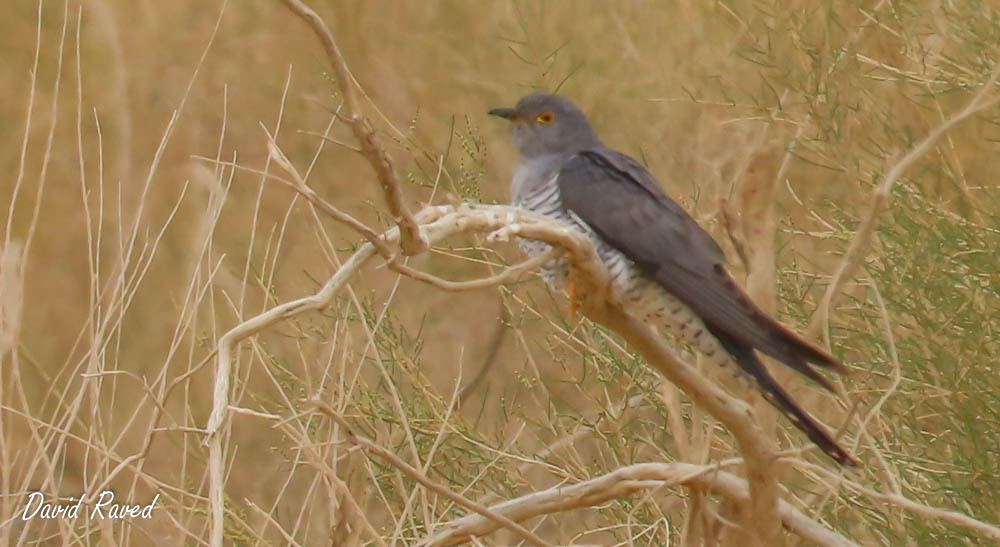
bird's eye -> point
(545, 117)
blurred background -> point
(141, 226)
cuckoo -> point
(666, 269)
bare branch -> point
(623, 482)
(590, 280)
(392, 260)
(598, 303)
(411, 241)
(508, 275)
(226, 350)
(736, 415)
(305, 191)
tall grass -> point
(141, 226)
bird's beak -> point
(505, 113)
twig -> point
(352, 514)
(411, 241)
(419, 476)
(735, 414)
(227, 347)
(880, 198)
(508, 275)
(623, 482)
(499, 333)
(986, 530)
(392, 260)
(302, 188)
(591, 278)
(331, 140)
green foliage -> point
(472, 161)
(939, 275)
(840, 90)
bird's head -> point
(544, 124)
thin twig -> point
(954, 517)
(591, 277)
(506, 276)
(499, 333)
(332, 140)
(736, 415)
(422, 478)
(392, 260)
(302, 188)
(411, 240)
(354, 514)
(620, 483)
(880, 199)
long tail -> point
(776, 395)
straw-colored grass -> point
(178, 171)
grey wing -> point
(624, 205)
(625, 167)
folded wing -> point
(625, 205)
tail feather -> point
(789, 347)
(772, 338)
(781, 400)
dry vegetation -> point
(842, 153)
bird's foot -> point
(612, 296)
(503, 234)
(575, 299)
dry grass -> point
(147, 217)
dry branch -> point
(300, 186)
(735, 414)
(392, 260)
(623, 482)
(767, 510)
(411, 241)
(598, 303)
(442, 222)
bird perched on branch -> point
(668, 271)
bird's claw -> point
(504, 234)
(575, 300)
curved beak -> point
(505, 113)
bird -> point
(668, 271)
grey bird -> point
(668, 271)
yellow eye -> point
(545, 117)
